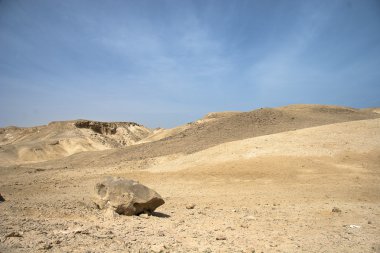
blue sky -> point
(166, 63)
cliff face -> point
(106, 128)
(98, 127)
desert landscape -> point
(298, 178)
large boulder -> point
(126, 197)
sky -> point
(166, 63)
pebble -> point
(144, 215)
(221, 238)
(244, 225)
(190, 206)
(111, 213)
(157, 248)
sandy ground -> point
(277, 203)
(271, 202)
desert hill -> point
(359, 136)
(113, 141)
(161, 133)
(64, 138)
(226, 127)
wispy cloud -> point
(130, 58)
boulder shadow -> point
(160, 215)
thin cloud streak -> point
(124, 60)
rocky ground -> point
(296, 197)
(264, 205)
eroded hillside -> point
(64, 138)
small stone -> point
(158, 248)
(144, 216)
(221, 238)
(250, 217)
(161, 233)
(244, 225)
(369, 222)
(14, 234)
(190, 206)
(1, 198)
(17, 245)
(111, 213)
(47, 246)
(336, 210)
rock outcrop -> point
(107, 128)
(126, 197)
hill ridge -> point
(200, 135)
